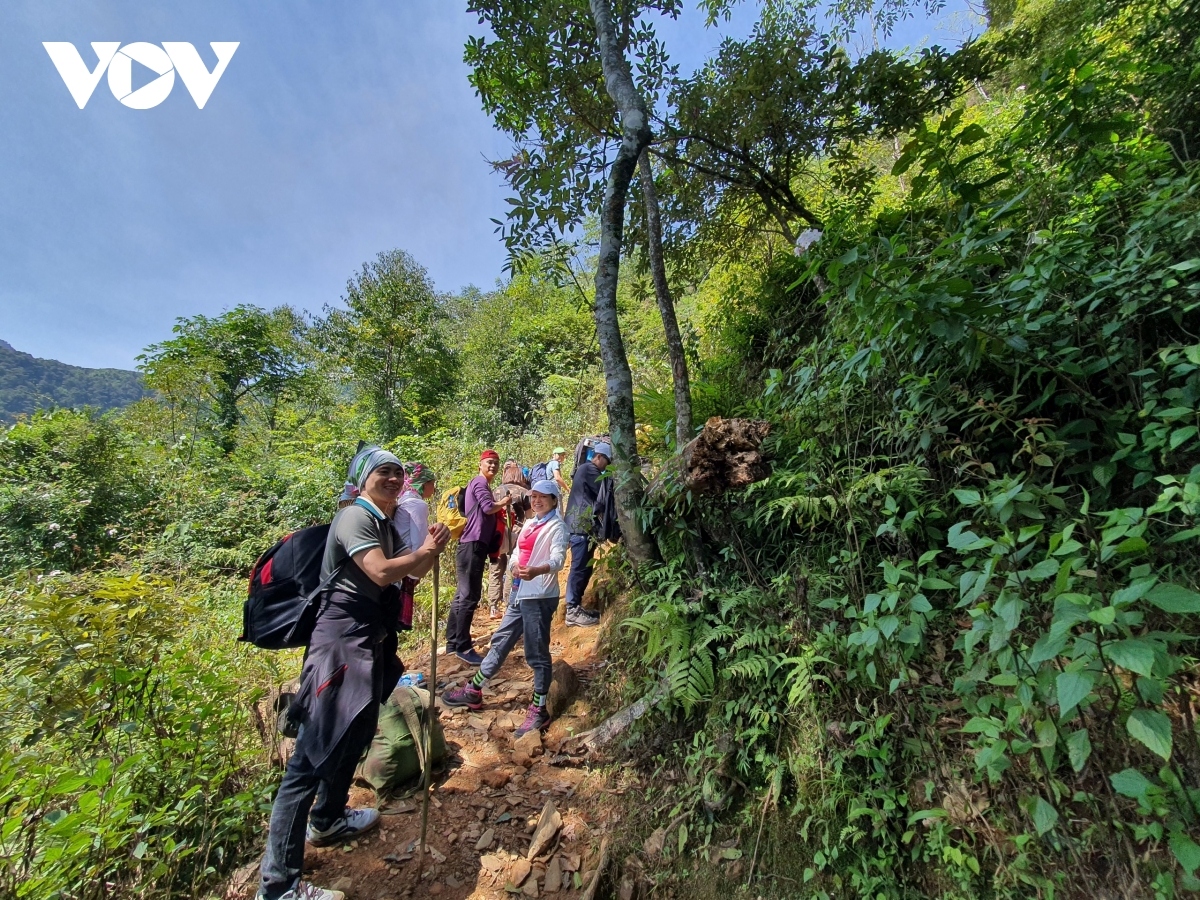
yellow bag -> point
(452, 509)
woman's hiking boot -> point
(537, 718)
(347, 828)
(468, 695)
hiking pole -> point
(430, 713)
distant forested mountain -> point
(28, 383)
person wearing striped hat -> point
(350, 668)
(412, 506)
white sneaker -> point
(306, 891)
(582, 618)
(348, 827)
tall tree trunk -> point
(666, 307)
(635, 135)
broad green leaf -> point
(936, 584)
(967, 498)
(1135, 590)
(1047, 734)
(1130, 783)
(976, 132)
(1008, 608)
(1045, 816)
(1132, 545)
(1076, 598)
(1048, 646)
(1181, 435)
(922, 814)
(1150, 690)
(981, 725)
(1176, 412)
(1043, 570)
(961, 539)
(1134, 655)
(1152, 728)
(1185, 850)
(892, 574)
(1104, 616)
(1029, 531)
(1174, 598)
(1079, 748)
(1072, 688)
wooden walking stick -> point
(430, 713)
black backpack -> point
(605, 510)
(285, 591)
(537, 473)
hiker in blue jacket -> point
(350, 668)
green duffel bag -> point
(395, 761)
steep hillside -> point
(28, 383)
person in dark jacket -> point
(350, 668)
(470, 559)
(581, 522)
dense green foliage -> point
(28, 383)
(129, 758)
(947, 649)
(952, 636)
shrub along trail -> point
(486, 807)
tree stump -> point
(725, 456)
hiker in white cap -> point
(540, 552)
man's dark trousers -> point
(583, 548)
(283, 861)
(470, 561)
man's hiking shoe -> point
(582, 618)
(536, 719)
(347, 828)
(470, 657)
(306, 891)
(468, 695)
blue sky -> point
(337, 131)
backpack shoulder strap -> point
(404, 702)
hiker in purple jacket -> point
(478, 539)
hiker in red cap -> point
(479, 538)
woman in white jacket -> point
(539, 554)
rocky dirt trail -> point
(506, 818)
